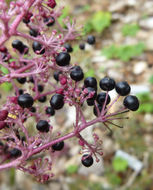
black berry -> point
(42, 126)
(25, 100)
(87, 160)
(56, 75)
(50, 111)
(37, 47)
(42, 99)
(131, 102)
(31, 79)
(63, 59)
(68, 48)
(21, 80)
(33, 109)
(90, 101)
(82, 46)
(101, 98)
(76, 73)
(107, 84)
(26, 18)
(58, 146)
(99, 108)
(18, 45)
(49, 21)
(33, 32)
(91, 40)
(40, 88)
(57, 101)
(90, 82)
(122, 88)
(15, 153)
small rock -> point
(146, 23)
(136, 89)
(139, 67)
(149, 42)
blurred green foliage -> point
(123, 52)
(151, 79)
(90, 73)
(6, 86)
(130, 29)
(98, 22)
(119, 164)
(72, 169)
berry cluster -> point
(44, 79)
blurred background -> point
(123, 51)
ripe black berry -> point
(82, 46)
(107, 84)
(18, 45)
(31, 79)
(58, 146)
(99, 108)
(91, 40)
(56, 75)
(25, 49)
(101, 98)
(87, 160)
(131, 102)
(21, 80)
(42, 126)
(90, 82)
(25, 100)
(26, 18)
(63, 59)
(76, 73)
(37, 47)
(122, 88)
(68, 48)
(50, 21)
(90, 101)
(57, 101)
(40, 88)
(50, 111)
(33, 109)
(15, 153)
(42, 99)
(33, 32)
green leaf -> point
(101, 20)
(151, 79)
(90, 73)
(88, 28)
(72, 169)
(146, 108)
(114, 179)
(144, 97)
(119, 164)
(130, 29)
(6, 86)
(4, 70)
(65, 13)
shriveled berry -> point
(3, 115)
(40, 88)
(15, 153)
(131, 102)
(76, 73)
(58, 146)
(87, 160)
(26, 18)
(42, 126)
(42, 99)
(90, 82)
(82, 46)
(57, 101)
(37, 47)
(21, 80)
(68, 48)
(107, 84)
(33, 32)
(50, 111)
(25, 100)
(101, 98)
(122, 88)
(49, 21)
(91, 39)
(51, 3)
(2, 124)
(31, 79)
(56, 75)
(99, 108)
(63, 59)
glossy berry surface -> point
(15, 153)
(25, 100)
(91, 40)
(63, 59)
(33, 109)
(42, 99)
(68, 48)
(122, 88)
(131, 102)
(58, 146)
(76, 73)
(56, 75)
(49, 21)
(42, 126)
(21, 80)
(40, 88)
(37, 47)
(101, 98)
(57, 101)
(18, 45)
(90, 82)
(107, 84)
(50, 111)
(33, 32)
(82, 46)
(87, 160)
